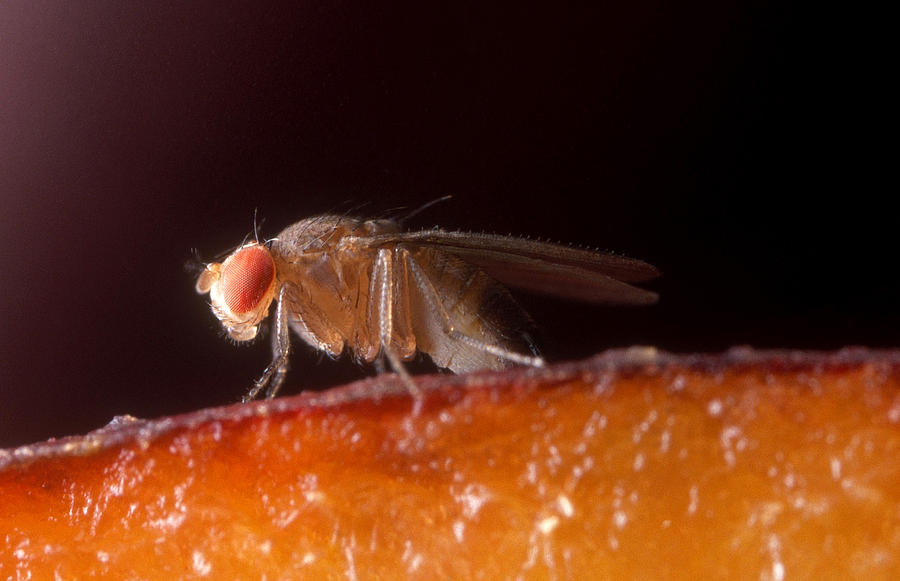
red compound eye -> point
(246, 278)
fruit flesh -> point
(631, 465)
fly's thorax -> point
(317, 234)
(324, 287)
(379, 226)
(323, 256)
(327, 233)
(241, 289)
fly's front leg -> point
(436, 305)
(384, 286)
(273, 376)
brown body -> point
(367, 287)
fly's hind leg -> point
(273, 376)
(384, 298)
(437, 306)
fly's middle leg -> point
(386, 282)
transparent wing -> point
(541, 267)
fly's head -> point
(240, 289)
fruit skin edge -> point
(632, 463)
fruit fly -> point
(366, 286)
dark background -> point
(720, 141)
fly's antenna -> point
(402, 220)
(195, 264)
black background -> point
(721, 141)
